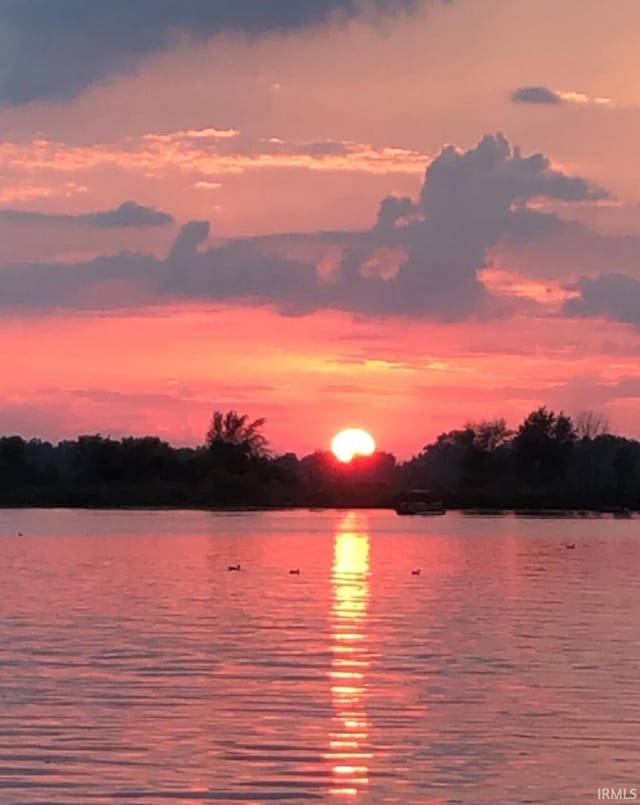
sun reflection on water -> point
(348, 744)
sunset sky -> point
(398, 215)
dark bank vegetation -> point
(549, 461)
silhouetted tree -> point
(490, 434)
(365, 480)
(541, 445)
(12, 459)
(445, 464)
(147, 457)
(235, 444)
(237, 430)
(624, 464)
(484, 464)
(40, 462)
(591, 424)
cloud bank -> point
(129, 214)
(612, 296)
(57, 49)
(423, 257)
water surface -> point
(135, 668)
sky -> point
(400, 215)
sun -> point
(352, 442)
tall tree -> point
(590, 424)
(542, 443)
(236, 430)
(490, 434)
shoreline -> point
(469, 511)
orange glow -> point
(352, 442)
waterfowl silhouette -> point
(295, 572)
(19, 533)
(233, 567)
(570, 547)
(415, 572)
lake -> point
(135, 668)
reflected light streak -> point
(348, 751)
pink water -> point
(135, 668)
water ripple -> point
(134, 668)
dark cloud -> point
(530, 225)
(393, 209)
(612, 296)
(536, 95)
(56, 48)
(547, 246)
(421, 259)
(192, 235)
(129, 214)
(469, 201)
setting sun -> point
(352, 442)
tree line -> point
(549, 461)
